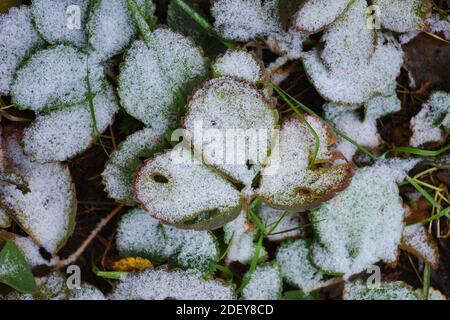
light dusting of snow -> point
(265, 283)
(402, 15)
(387, 291)
(297, 270)
(193, 194)
(362, 224)
(64, 133)
(292, 184)
(124, 162)
(224, 104)
(160, 285)
(417, 241)
(149, 80)
(361, 82)
(111, 27)
(363, 131)
(52, 20)
(139, 235)
(314, 15)
(244, 20)
(47, 212)
(86, 292)
(349, 44)
(18, 39)
(31, 252)
(240, 64)
(55, 77)
(426, 124)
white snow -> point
(18, 39)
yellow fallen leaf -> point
(131, 264)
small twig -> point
(74, 256)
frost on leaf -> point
(404, 15)
(139, 235)
(56, 22)
(348, 41)
(30, 251)
(86, 292)
(363, 131)
(288, 182)
(240, 237)
(111, 27)
(62, 134)
(179, 192)
(240, 64)
(359, 290)
(265, 283)
(124, 162)
(297, 269)
(47, 211)
(282, 224)
(315, 15)
(360, 82)
(55, 78)
(154, 81)
(417, 241)
(161, 284)
(18, 39)
(426, 125)
(364, 223)
(237, 123)
(244, 20)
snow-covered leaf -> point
(52, 20)
(111, 27)
(62, 134)
(363, 131)
(364, 223)
(55, 78)
(404, 15)
(153, 81)
(47, 211)
(139, 235)
(315, 15)
(14, 270)
(297, 269)
(288, 182)
(244, 20)
(86, 292)
(417, 241)
(30, 251)
(161, 284)
(223, 107)
(358, 290)
(124, 162)
(426, 125)
(18, 39)
(349, 43)
(240, 64)
(360, 82)
(265, 283)
(240, 237)
(178, 191)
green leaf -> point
(14, 270)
